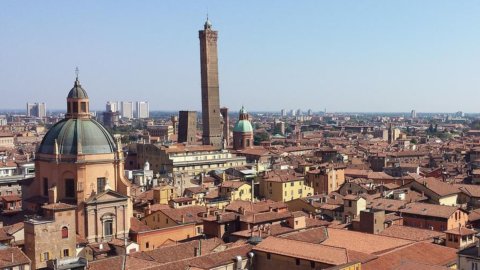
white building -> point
(111, 106)
(127, 109)
(143, 109)
(37, 109)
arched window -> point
(64, 232)
(69, 188)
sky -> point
(342, 56)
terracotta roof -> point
(138, 226)
(351, 197)
(4, 236)
(180, 251)
(115, 262)
(190, 213)
(13, 228)
(58, 206)
(11, 198)
(282, 176)
(182, 199)
(363, 242)
(470, 190)
(386, 204)
(461, 231)
(437, 186)
(421, 252)
(410, 233)
(12, 256)
(208, 261)
(232, 184)
(196, 190)
(314, 236)
(430, 210)
(474, 215)
(256, 207)
(265, 217)
(303, 250)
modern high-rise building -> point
(111, 106)
(127, 109)
(283, 112)
(413, 114)
(211, 118)
(187, 127)
(293, 113)
(37, 109)
(143, 109)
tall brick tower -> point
(211, 118)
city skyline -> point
(313, 55)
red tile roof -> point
(363, 242)
(12, 256)
(425, 253)
(430, 210)
(410, 233)
(303, 250)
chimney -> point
(52, 195)
(183, 219)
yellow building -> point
(235, 190)
(162, 194)
(283, 186)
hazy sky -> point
(340, 55)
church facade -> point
(79, 163)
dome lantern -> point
(77, 101)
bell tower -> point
(211, 115)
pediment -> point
(107, 196)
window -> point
(292, 183)
(46, 256)
(64, 232)
(297, 261)
(66, 253)
(108, 227)
(45, 186)
(147, 245)
(312, 264)
(83, 107)
(75, 107)
(69, 188)
(101, 182)
(269, 256)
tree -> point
(260, 137)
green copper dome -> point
(243, 126)
(93, 138)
